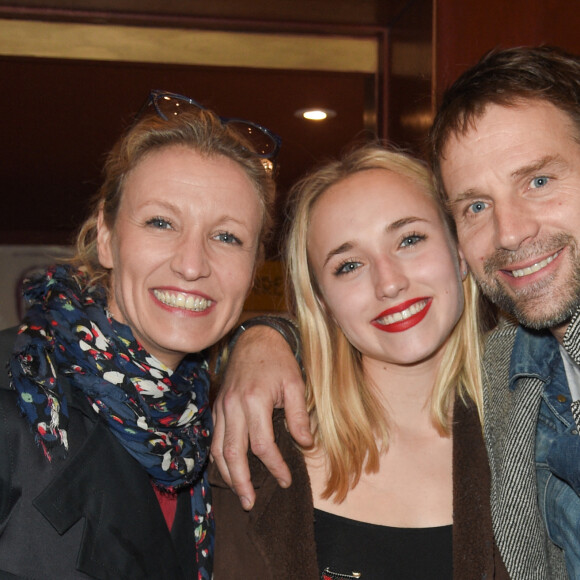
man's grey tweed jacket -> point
(510, 417)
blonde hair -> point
(349, 421)
(203, 132)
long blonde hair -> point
(349, 421)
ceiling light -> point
(315, 114)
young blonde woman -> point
(396, 484)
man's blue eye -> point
(539, 182)
(159, 223)
(477, 206)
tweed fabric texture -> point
(510, 418)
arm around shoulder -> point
(262, 374)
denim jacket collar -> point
(533, 355)
(535, 351)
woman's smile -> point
(183, 300)
(403, 316)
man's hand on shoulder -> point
(262, 374)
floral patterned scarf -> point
(161, 417)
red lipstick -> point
(403, 316)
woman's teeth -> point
(404, 314)
(181, 300)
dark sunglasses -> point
(265, 144)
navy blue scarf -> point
(161, 417)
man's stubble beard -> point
(529, 305)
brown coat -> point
(276, 539)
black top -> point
(347, 547)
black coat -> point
(91, 515)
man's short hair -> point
(505, 77)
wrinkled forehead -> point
(469, 121)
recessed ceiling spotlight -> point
(315, 114)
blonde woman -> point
(396, 484)
(106, 425)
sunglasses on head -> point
(265, 144)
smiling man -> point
(505, 148)
(506, 154)
(513, 183)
